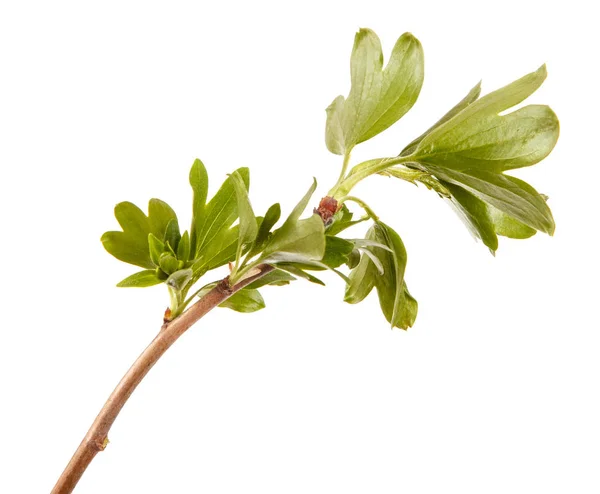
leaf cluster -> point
(463, 157)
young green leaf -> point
(140, 279)
(220, 251)
(220, 212)
(271, 217)
(507, 226)
(362, 281)
(460, 106)
(297, 240)
(183, 249)
(374, 259)
(179, 279)
(130, 245)
(398, 307)
(478, 138)
(342, 220)
(199, 183)
(475, 216)
(156, 248)
(245, 300)
(307, 265)
(485, 221)
(248, 228)
(337, 251)
(353, 259)
(508, 194)
(160, 214)
(277, 277)
(300, 273)
(378, 97)
(172, 234)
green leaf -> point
(297, 240)
(131, 245)
(179, 279)
(460, 106)
(277, 277)
(362, 281)
(172, 234)
(507, 226)
(248, 228)
(478, 138)
(398, 307)
(300, 273)
(378, 97)
(319, 266)
(508, 194)
(199, 183)
(334, 127)
(374, 259)
(367, 242)
(160, 214)
(156, 248)
(220, 213)
(141, 279)
(353, 259)
(271, 217)
(220, 251)
(337, 251)
(245, 300)
(485, 221)
(474, 213)
(183, 249)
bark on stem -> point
(97, 437)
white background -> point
(494, 390)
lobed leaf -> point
(479, 138)
(131, 245)
(378, 97)
(455, 110)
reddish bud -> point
(327, 208)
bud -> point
(327, 208)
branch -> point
(97, 437)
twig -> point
(97, 437)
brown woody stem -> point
(97, 437)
